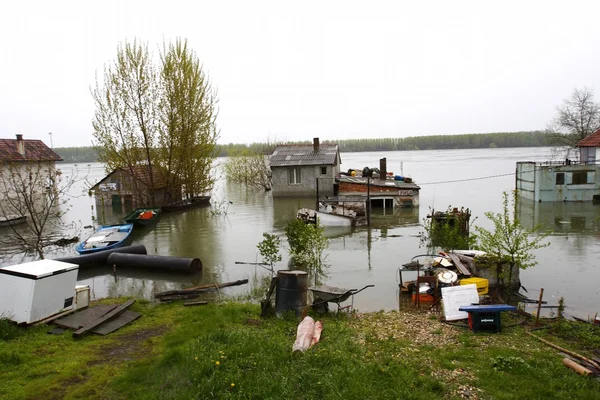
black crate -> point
(484, 321)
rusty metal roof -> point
(142, 173)
(592, 140)
(304, 154)
(35, 150)
(379, 182)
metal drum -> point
(292, 293)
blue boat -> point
(105, 238)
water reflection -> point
(560, 218)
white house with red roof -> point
(28, 163)
(566, 181)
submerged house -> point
(566, 180)
(133, 188)
(304, 170)
(29, 161)
(381, 190)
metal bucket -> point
(292, 292)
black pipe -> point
(100, 257)
(178, 264)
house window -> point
(579, 178)
(294, 176)
(560, 178)
(323, 170)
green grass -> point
(225, 351)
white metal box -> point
(37, 290)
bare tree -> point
(250, 169)
(41, 193)
(251, 166)
(577, 117)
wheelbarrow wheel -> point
(320, 306)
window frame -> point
(296, 174)
(576, 174)
(324, 170)
(560, 181)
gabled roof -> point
(35, 150)
(304, 154)
(592, 140)
(142, 173)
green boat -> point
(143, 216)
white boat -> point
(327, 217)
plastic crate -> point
(485, 321)
(423, 298)
(481, 283)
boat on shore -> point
(10, 220)
(143, 216)
(105, 238)
(185, 204)
(327, 217)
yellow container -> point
(482, 284)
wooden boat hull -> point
(11, 220)
(137, 216)
(194, 202)
(325, 218)
(105, 238)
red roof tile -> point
(35, 150)
(592, 140)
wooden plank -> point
(117, 322)
(580, 369)
(459, 265)
(84, 317)
(103, 319)
(195, 303)
(199, 289)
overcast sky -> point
(297, 70)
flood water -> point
(229, 230)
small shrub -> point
(8, 330)
(10, 358)
(502, 363)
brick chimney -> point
(382, 168)
(316, 144)
(20, 144)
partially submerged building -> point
(138, 187)
(25, 162)
(304, 170)
(380, 189)
(567, 180)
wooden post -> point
(368, 205)
(317, 203)
(537, 316)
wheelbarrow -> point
(331, 294)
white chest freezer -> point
(34, 291)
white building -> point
(566, 180)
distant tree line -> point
(438, 142)
(435, 142)
(464, 141)
(77, 154)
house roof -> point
(142, 173)
(35, 150)
(304, 154)
(592, 140)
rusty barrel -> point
(292, 292)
